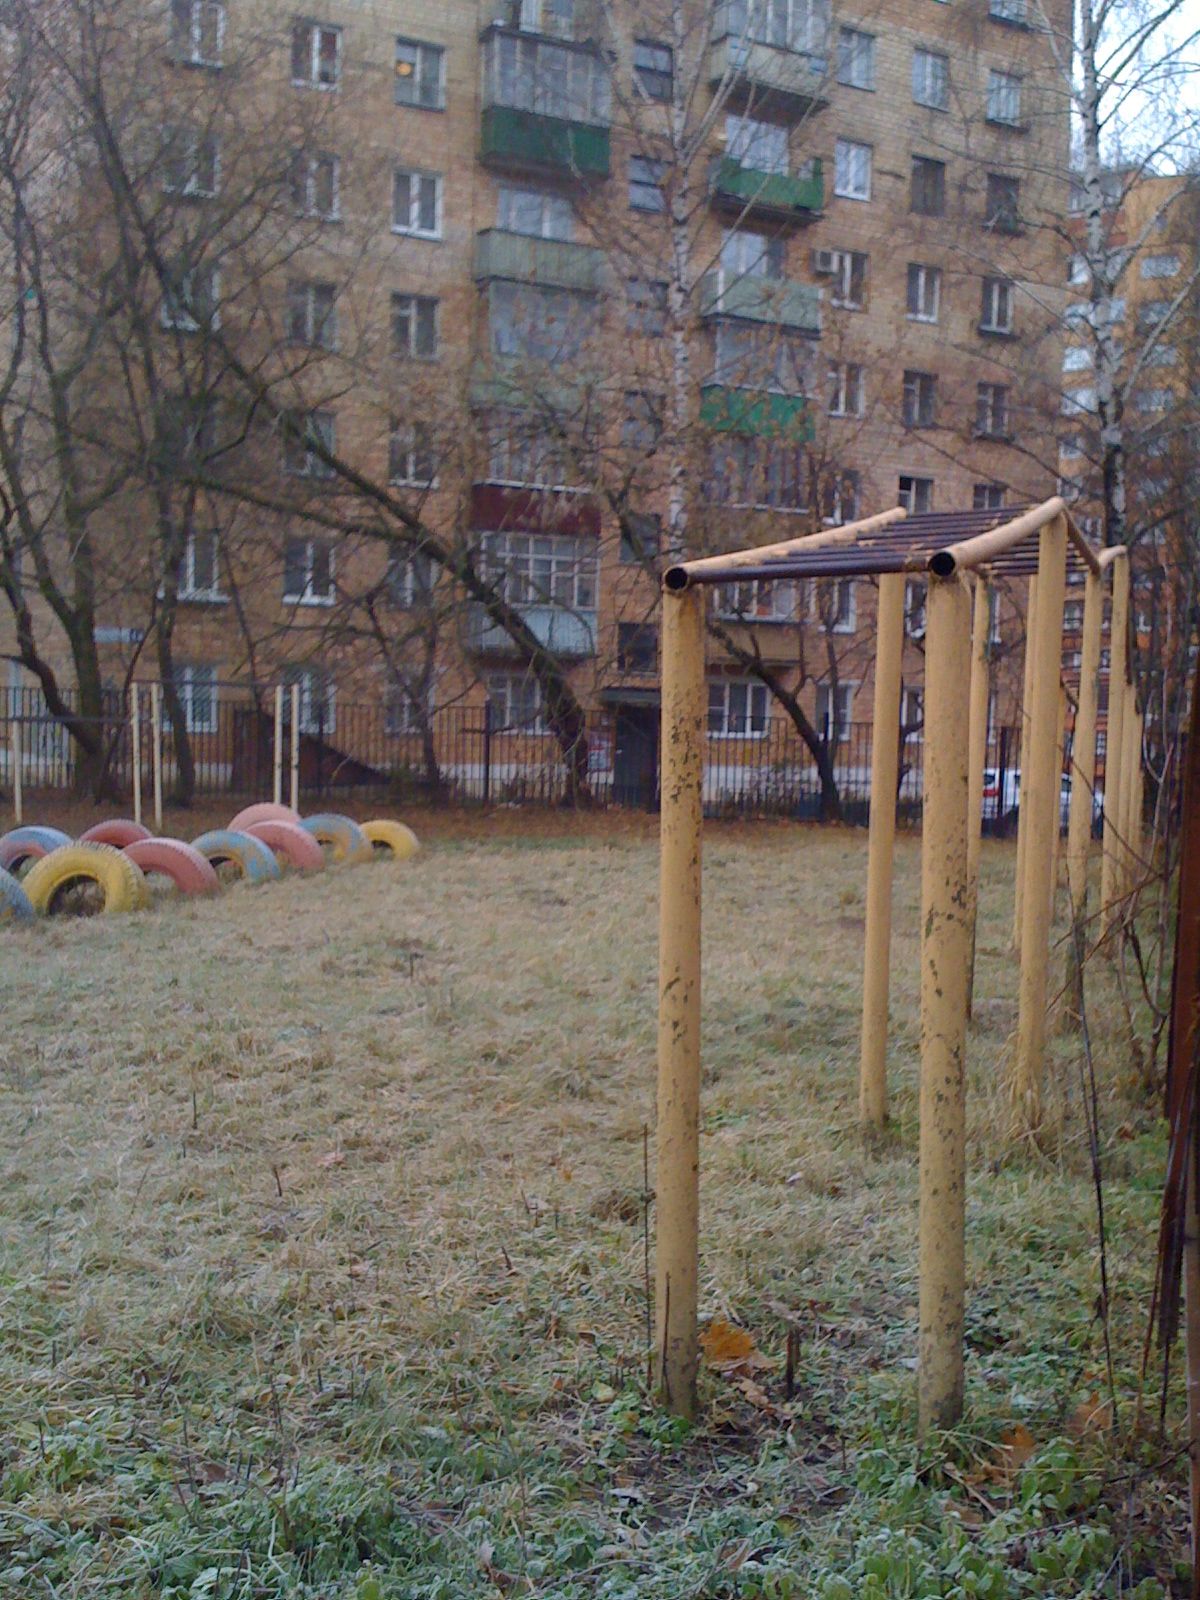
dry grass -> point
(344, 1177)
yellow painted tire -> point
(391, 839)
(120, 881)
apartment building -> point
(570, 284)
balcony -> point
(778, 196)
(555, 263)
(546, 106)
(788, 75)
(756, 299)
(762, 413)
(566, 633)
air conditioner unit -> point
(824, 262)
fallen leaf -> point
(604, 1393)
(331, 1158)
(724, 1345)
(1093, 1415)
(757, 1396)
(1013, 1451)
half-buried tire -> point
(289, 841)
(15, 904)
(341, 838)
(83, 879)
(118, 831)
(265, 811)
(188, 870)
(249, 857)
(391, 839)
(29, 843)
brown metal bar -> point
(684, 573)
(834, 564)
(985, 547)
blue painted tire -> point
(15, 904)
(341, 837)
(254, 860)
(30, 843)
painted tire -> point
(289, 840)
(267, 811)
(30, 844)
(252, 858)
(118, 831)
(188, 870)
(119, 879)
(391, 839)
(341, 838)
(15, 904)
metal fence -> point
(463, 756)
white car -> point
(1006, 806)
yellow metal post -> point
(980, 696)
(156, 751)
(885, 758)
(1131, 761)
(1023, 783)
(1040, 822)
(295, 774)
(135, 744)
(18, 777)
(1114, 745)
(1060, 756)
(1083, 749)
(677, 1184)
(945, 972)
(277, 789)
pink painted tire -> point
(118, 831)
(289, 840)
(188, 870)
(265, 811)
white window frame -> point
(187, 588)
(931, 79)
(996, 310)
(758, 600)
(403, 714)
(987, 497)
(179, 317)
(414, 303)
(312, 160)
(318, 332)
(188, 679)
(835, 722)
(310, 680)
(842, 611)
(313, 78)
(993, 410)
(313, 422)
(308, 596)
(555, 570)
(846, 388)
(412, 229)
(841, 289)
(757, 145)
(1164, 265)
(1076, 358)
(190, 50)
(522, 709)
(919, 399)
(1004, 97)
(646, 191)
(924, 278)
(408, 579)
(410, 441)
(755, 709)
(916, 597)
(852, 166)
(856, 58)
(555, 215)
(917, 482)
(423, 49)
(191, 156)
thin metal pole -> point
(295, 730)
(1083, 749)
(1023, 778)
(135, 746)
(1040, 822)
(1130, 763)
(1114, 746)
(981, 627)
(677, 1184)
(885, 762)
(945, 973)
(18, 782)
(156, 751)
(277, 748)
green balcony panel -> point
(520, 258)
(796, 196)
(759, 412)
(529, 141)
(776, 300)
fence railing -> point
(463, 755)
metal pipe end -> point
(676, 579)
(942, 564)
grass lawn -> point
(322, 1260)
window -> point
(839, 496)
(931, 79)
(995, 313)
(1003, 207)
(912, 714)
(653, 69)
(924, 292)
(190, 299)
(316, 55)
(305, 434)
(552, 80)
(915, 595)
(415, 326)
(190, 163)
(542, 569)
(314, 184)
(1077, 358)
(752, 355)
(412, 461)
(641, 426)
(785, 24)
(856, 58)
(514, 703)
(749, 471)
(197, 31)
(852, 170)
(1078, 402)
(519, 451)
(403, 712)
(647, 306)
(197, 689)
(1162, 355)
(1164, 266)
(1149, 314)
(835, 605)
(920, 400)
(535, 212)
(761, 146)
(835, 704)
(1007, 10)
(646, 184)
(1153, 400)
(199, 568)
(641, 538)
(991, 410)
(311, 315)
(536, 323)
(185, 432)
(751, 255)
(417, 203)
(759, 600)
(987, 496)
(737, 709)
(848, 289)
(1073, 616)
(555, 17)
(637, 647)
(419, 74)
(316, 697)
(845, 389)
(308, 572)
(408, 581)
(915, 494)
(1004, 98)
(1070, 447)
(927, 196)
(1078, 271)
